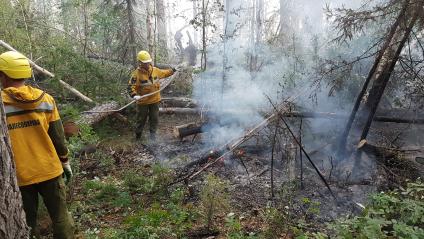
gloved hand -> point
(67, 171)
(137, 97)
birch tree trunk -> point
(12, 216)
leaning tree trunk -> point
(12, 216)
(387, 64)
(371, 74)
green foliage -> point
(86, 136)
(398, 214)
(69, 113)
(214, 198)
(275, 221)
(107, 193)
(171, 220)
(157, 182)
(235, 230)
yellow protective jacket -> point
(36, 134)
(143, 82)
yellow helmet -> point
(15, 65)
(144, 57)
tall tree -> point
(203, 60)
(12, 216)
(132, 31)
(161, 17)
(149, 27)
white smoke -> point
(234, 95)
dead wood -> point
(343, 138)
(121, 118)
(385, 66)
(185, 130)
(105, 109)
(188, 111)
(409, 155)
(225, 150)
(179, 102)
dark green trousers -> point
(150, 111)
(54, 196)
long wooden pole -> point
(48, 73)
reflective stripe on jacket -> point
(36, 134)
(143, 82)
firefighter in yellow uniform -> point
(144, 80)
(38, 145)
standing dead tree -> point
(383, 66)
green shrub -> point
(214, 198)
(395, 214)
(157, 182)
(171, 220)
(235, 229)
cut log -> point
(181, 102)
(185, 130)
(48, 73)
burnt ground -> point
(248, 173)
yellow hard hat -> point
(144, 57)
(15, 65)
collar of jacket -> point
(25, 97)
(149, 71)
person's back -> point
(38, 145)
(29, 112)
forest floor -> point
(121, 190)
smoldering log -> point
(207, 156)
(185, 130)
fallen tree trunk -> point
(188, 111)
(181, 102)
(106, 110)
(48, 73)
(185, 130)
